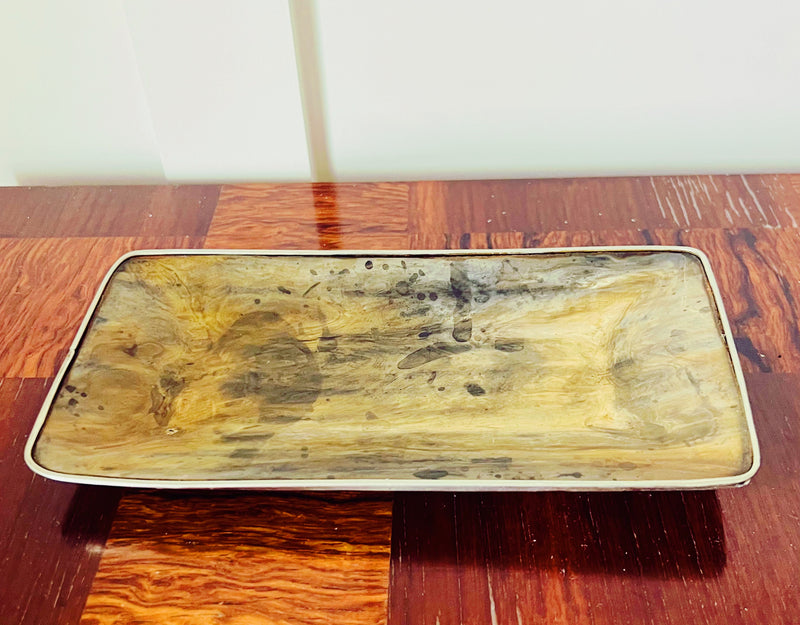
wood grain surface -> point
(693, 557)
(726, 557)
(245, 558)
(51, 534)
(311, 216)
(603, 204)
(48, 286)
(106, 211)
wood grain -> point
(318, 216)
(51, 534)
(660, 558)
(244, 558)
(540, 557)
(678, 557)
(106, 211)
(760, 289)
(48, 285)
(791, 181)
(602, 204)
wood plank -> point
(792, 181)
(602, 204)
(783, 194)
(106, 211)
(51, 534)
(694, 557)
(48, 285)
(311, 216)
(424, 557)
(244, 558)
(427, 207)
(656, 557)
(551, 557)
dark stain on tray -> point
(237, 438)
(461, 290)
(245, 453)
(431, 474)
(508, 345)
(430, 353)
(500, 460)
(475, 389)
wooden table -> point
(73, 554)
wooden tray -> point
(568, 369)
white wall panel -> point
(513, 88)
(221, 84)
(7, 177)
(72, 108)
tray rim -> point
(405, 484)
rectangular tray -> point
(546, 369)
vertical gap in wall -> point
(306, 48)
(145, 98)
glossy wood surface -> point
(244, 558)
(697, 557)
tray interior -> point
(563, 366)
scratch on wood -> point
(732, 204)
(492, 607)
(658, 199)
(705, 189)
(674, 184)
(691, 196)
(757, 203)
(672, 212)
(743, 204)
(794, 221)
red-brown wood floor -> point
(72, 554)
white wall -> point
(456, 88)
(7, 177)
(73, 109)
(144, 91)
(154, 91)
(221, 84)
